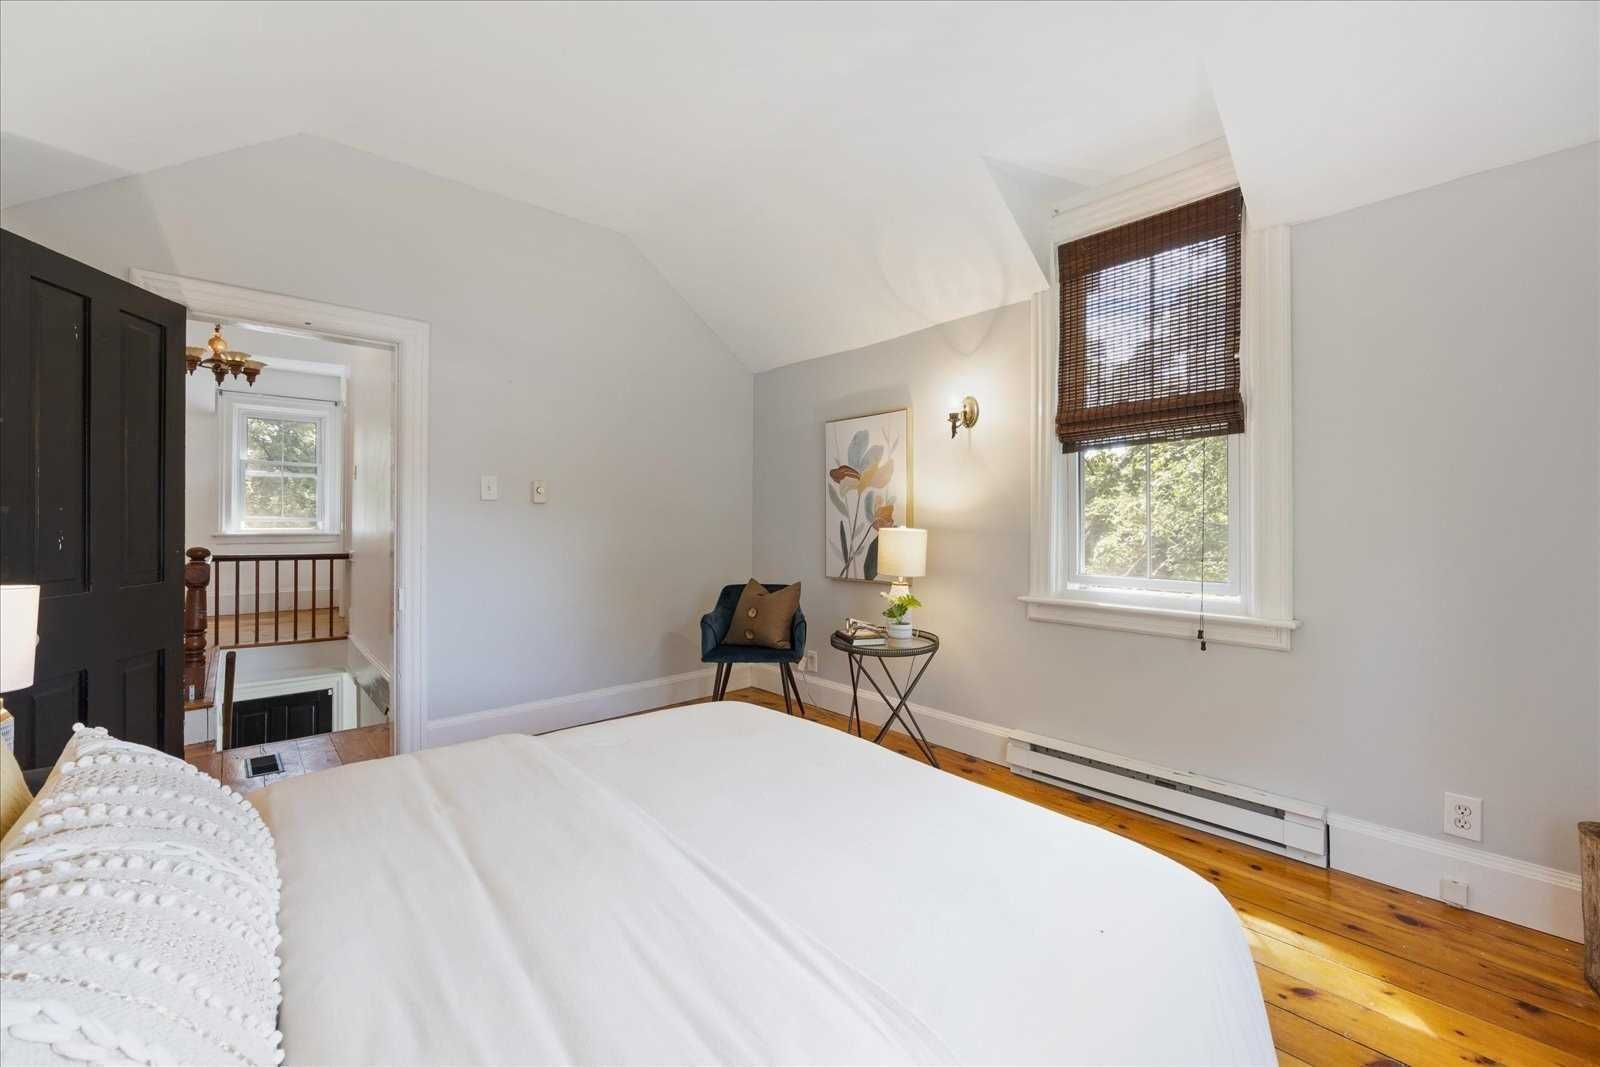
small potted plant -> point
(899, 613)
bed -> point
(717, 883)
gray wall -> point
(558, 352)
(1445, 514)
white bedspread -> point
(720, 883)
(487, 903)
(1019, 935)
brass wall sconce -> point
(963, 412)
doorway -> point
(263, 315)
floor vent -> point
(1279, 824)
(256, 766)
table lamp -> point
(903, 553)
(19, 636)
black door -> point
(91, 497)
(282, 718)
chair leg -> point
(716, 686)
(783, 680)
(788, 672)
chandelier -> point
(221, 360)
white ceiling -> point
(811, 178)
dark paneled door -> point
(282, 718)
(91, 497)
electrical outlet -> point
(809, 664)
(1463, 816)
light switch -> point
(489, 487)
(538, 494)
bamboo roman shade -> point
(1150, 329)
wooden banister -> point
(196, 576)
(299, 631)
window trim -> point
(1261, 614)
(232, 410)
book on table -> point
(861, 634)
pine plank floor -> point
(1352, 972)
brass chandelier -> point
(221, 360)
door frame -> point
(409, 338)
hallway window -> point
(281, 466)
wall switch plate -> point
(537, 493)
(1463, 816)
(489, 487)
(1453, 892)
(809, 663)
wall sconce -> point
(963, 412)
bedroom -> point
(643, 256)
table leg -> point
(855, 701)
(901, 708)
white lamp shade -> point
(19, 635)
(903, 551)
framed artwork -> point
(867, 480)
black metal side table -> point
(920, 643)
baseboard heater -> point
(1283, 825)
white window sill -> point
(1248, 631)
(278, 535)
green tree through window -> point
(281, 461)
(1148, 511)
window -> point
(1148, 398)
(1157, 517)
(1155, 509)
(281, 467)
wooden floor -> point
(1352, 972)
(301, 756)
(329, 625)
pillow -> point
(764, 618)
(14, 792)
(138, 916)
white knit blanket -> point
(138, 917)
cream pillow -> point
(14, 793)
(138, 916)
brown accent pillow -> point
(763, 618)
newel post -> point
(196, 577)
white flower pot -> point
(900, 629)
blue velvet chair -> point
(714, 629)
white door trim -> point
(409, 338)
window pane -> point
(1182, 474)
(300, 500)
(1114, 520)
(299, 441)
(261, 439)
(280, 440)
(262, 497)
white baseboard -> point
(1527, 894)
(196, 726)
(575, 709)
(972, 736)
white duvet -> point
(719, 883)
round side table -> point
(920, 643)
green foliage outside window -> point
(280, 476)
(1142, 514)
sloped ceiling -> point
(811, 178)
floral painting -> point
(867, 462)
